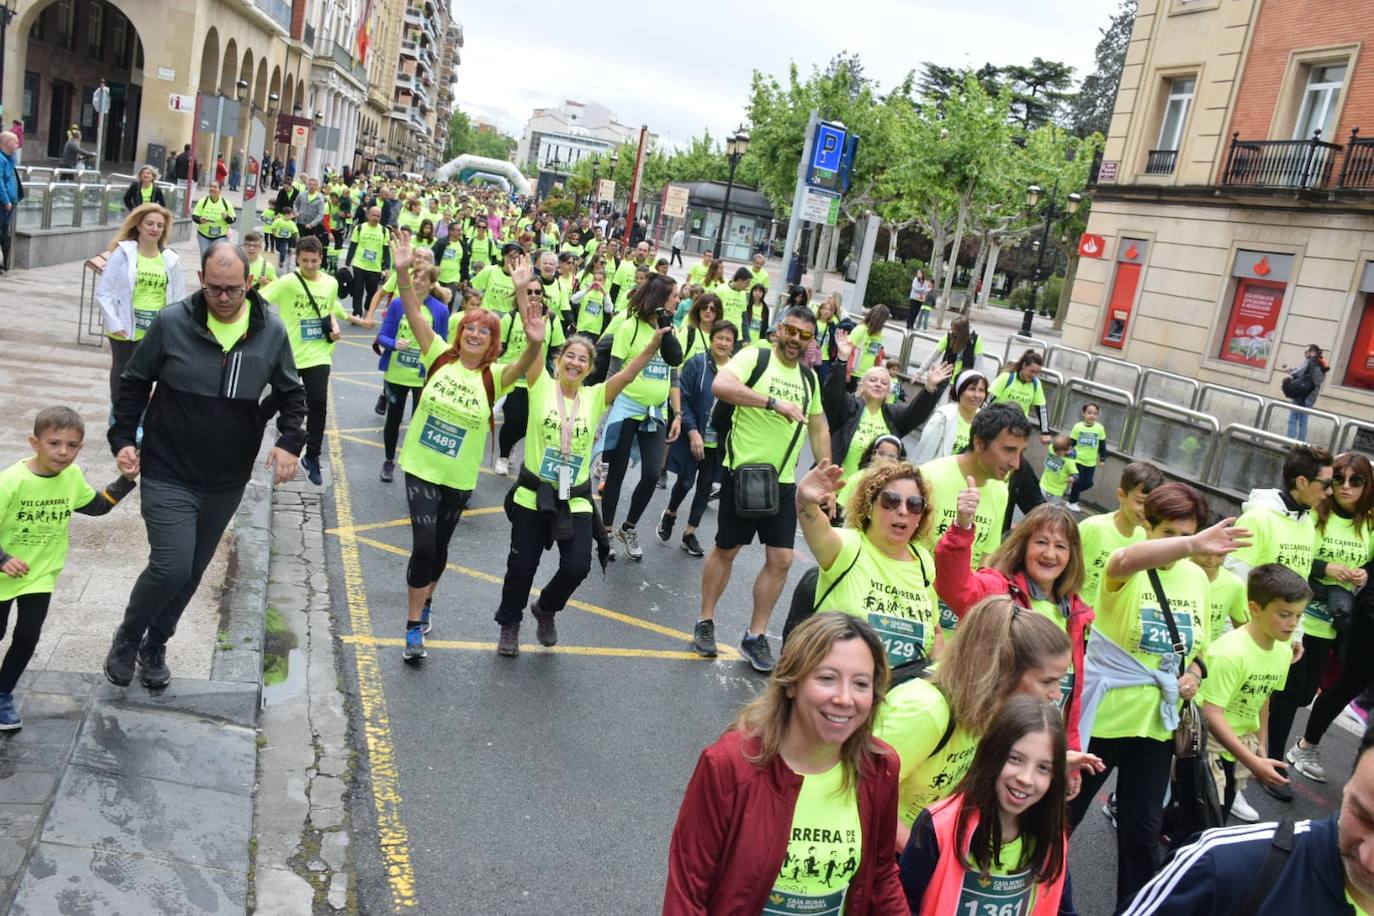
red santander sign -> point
(1092, 246)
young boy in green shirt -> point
(260, 270)
(284, 232)
(37, 499)
(1061, 470)
(1090, 447)
(1243, 668)
(1103, 534)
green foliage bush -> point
(889, 284)
(1048, 299)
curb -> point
(243, 607)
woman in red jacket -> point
(794, 808)
(1040, 566)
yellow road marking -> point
(354, 343)
(373, 384)
(361, 429)
(392, 836)
(725, 651)
(612, 651)
(402, 522)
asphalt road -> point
(548, 783)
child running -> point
(37, 499)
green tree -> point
(464, 138)
(459, 128)
(1090, 111)
(937, 83)
(1039, 91)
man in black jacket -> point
(211, 356)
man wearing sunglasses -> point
(211, 356)
(769, 413)
(1283, 530)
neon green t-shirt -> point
(1026, 395)
(1047, 608)
(823, 849)
(448, 433)
(147, 193)
(652, 385)
(35, 513)
(1087, 443)
(761, 436)
(451, 263)
(261, 272)
(697, 273)
(959, 366)
(1338, 543)
(485, 252)
(1101, 538)
(1131, 618)
(867, 349)
(149, 294)
(498, 289)
(1241, 676)
(1275, 537)
(760, 277)
(693, 340)
(1054, 480)
(962, 429)
(872, 424)
(732, 304)
(372, 242)
(946, 483)
(543, 437)
(283, 228)
(404, 366)
(228, 333)
(913, 720)
(514, 341)
(896, 597)
(214, 216)
(1225, 600)
(591, 316)
(307, 326)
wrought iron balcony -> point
(1161, 162)
(1357, 172)
(1299, 164)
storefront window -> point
(1359, 371)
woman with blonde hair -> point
(797, 778)
(142, 276)
(144, 190)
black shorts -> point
(773, 531)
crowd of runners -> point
(971, 656)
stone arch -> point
(246, 72)
(260, 84)
(228, 73)
(209, 61)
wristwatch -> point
(772, 403)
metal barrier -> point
(1159, 385)
(1327, 423)
(61, 209)
(994, 365)
(1246, 459)
(1114, 372)
(1177, 438)
(29, 215)
(909, 341)
(1052, 383)
(90, 325)
(1115, 408)
(1023, 344)
(1068, 361)
(1229, 405)
(1355, 437)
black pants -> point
(365, 283)
(184, 527)
(1357, 673)
(1143, 767)
(33, 610)
(395, 410)
(316, 382)
(705, 475)
(515, 412)
(1023, 492)
(1304, 677)
(1228, 791)
(528, 533)
(121, 351)
(434, 513)
(675, 257)
(653, 451)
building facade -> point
(1233, 214)
(556, 139)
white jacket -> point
(937, 436)
(115, 288)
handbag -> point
(756, 489)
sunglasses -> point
(890, 500)
(535, 292)
(789, 331)
(1324, 484)
(1354, 480)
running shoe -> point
(546, 630)
(380, 408)
(1283, 793)
(757, 652)
(503, 467)
(415, 644)
(1307, 761)
(1241, 810)
(312, 470)
(425, 623)
(9, 716)
(1109, 809)
(152, 662)
(715, 492)
(388, 472)
(665, 526)
(663, 481)
(630, 539)
(1356, 716)
(1074, 507)
(704, 638)
(509, 643)
(692, 545)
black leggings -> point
(1304, 677)
(365, 284)
(515, 412)
(395, 410)
(33, 610)
(653, 450)
(121, 351)
(529, 537)
(434, 513)
(705, 475)
(1357, 672)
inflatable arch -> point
(465, 167)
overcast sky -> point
(683, 67)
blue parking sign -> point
(828, 149)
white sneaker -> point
(1241, 810)
(1307, 761)
(1074, 507)
(503, 466)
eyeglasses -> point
(1354, 480)
(535, 292)
(480, 330)
(225, 292)
(789, 331)
(890, 500)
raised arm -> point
(1218, 540)
(531, 361)
(410, 299)
(821, 482)
(919, 408)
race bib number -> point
(213, 231)
(1318, 610)
(996, 895)
(593, 308)
(902, 638)
(312, 329)
(657, 370)
(1065, 690)
(410, 359)
(1054, 463)
(1087, 440)
(450, 254)
(1154, 632)
(553, 460)
(369, 255)
(444, 438)
(948, 621)
(283, 233)
(710, 436)
(781, 903)
(143, 319)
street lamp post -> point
(7, 12)
(1053, 214)
(735, 148)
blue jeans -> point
(923, 319)
(1297, 425)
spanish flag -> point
(365, 33)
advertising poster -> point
(1249, 338)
